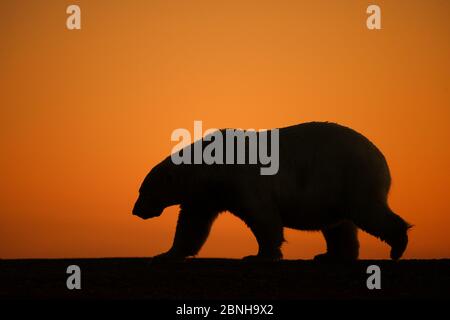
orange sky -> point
(86, 114)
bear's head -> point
(157, 192)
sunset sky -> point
(85, 114)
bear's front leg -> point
(192, 230)
(342, 243)
(168, 256)
(268, 230)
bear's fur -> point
(330, 178)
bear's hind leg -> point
(192, 230)
(342, 243)
(381, 222)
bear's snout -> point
(143, 211)
(137, 210)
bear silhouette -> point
(330, 179)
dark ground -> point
(137, 278)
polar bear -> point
(330, 179)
